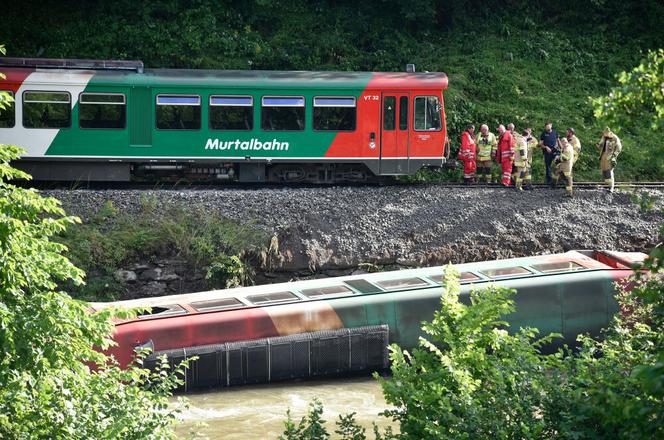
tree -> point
(639, 95)
(54, 381)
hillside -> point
(526, 62)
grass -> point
(205, 242)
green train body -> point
(117, 121)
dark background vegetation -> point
(508, 61)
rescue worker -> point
(564, 163)
(531, 143)
(520, 160)
(549, 144)
(576, 143)
(486, 151)
(609, 147)
(505, 154)
(515, 136)
(467, 154)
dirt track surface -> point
(334, 229)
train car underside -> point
(214, 171)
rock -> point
(155, 288)
(169, 277)
(125, 276)
(140, 267)
(152, 274)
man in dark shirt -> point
(549, 144)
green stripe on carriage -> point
(142, 139)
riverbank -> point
(286, 233)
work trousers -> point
(469, 168)
(548, 159)
(506, 163)
(484, 170)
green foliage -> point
(47, 340)
(113, 239)
(469, 378)
(310, 427)
(644, 199)
(639, 97)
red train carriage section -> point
(395, 138)
(242, 314)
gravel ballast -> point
(331, 229)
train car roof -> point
(486, 271)
(240, 78)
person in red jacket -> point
(467, 154)
(505, 153)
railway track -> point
(202, 186)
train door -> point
(394, 133)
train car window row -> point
(402, 283)
(102, 111)
(46, 109)
(217, 304)
(326, 291)
(562, 266)
(463, 277)
(178, 112)
(7, 110)
(334, 113)
(504, 272)
(271, 298)
(232, 113)
(427, 114)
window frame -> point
(190, 95)
(383, 113)
(345, 291)
(210, 105)
(13, 103)
(313, 107)
(401, 112)
(293, 297)
(527, 272)
(124, 103)
(303, 106)
(23, 101)
(386, 284)
(415, 108)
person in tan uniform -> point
(486, 151)
(532, 143)
(576, 143)
(520, 160)
(609, 147)
(564, 163)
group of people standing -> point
(514, 153)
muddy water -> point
(258, 412)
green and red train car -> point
(116, 121)
(343, 325)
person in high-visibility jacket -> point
(520, 160)
(576, 143)
(486, 151)
(505, 153)
(609, 147)
(531, 142)
(564, 163)
(467, 154)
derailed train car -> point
(343, 325)
(102, 120)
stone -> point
(169, 277)
(125, 276)
(151, 274)
(140, 267)
(155, 288)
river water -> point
(259, 412)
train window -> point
(463, 277)
(7, 109)
(389, 112)
(282, 113)
(403, 113)
(231, 112)
(402, 283)
(276, 297)
(46, 109)
(217, 304)
(334, 113)
(324, 291)
(159, 311)
(504, 272)
(102, 110)
(363, 286)
(427, 114)
(561, 266)
(178, 112)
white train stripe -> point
(37, 140)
